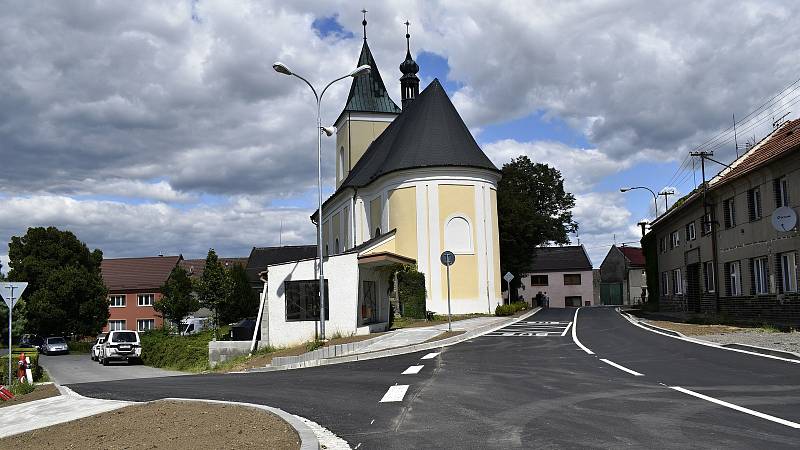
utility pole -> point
(643, 224)
(666, 193)
(703, 156)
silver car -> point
(54, 346)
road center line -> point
(761, 415)
(413, 370)
(575, 334)
(431, 355)
(622, 368)
(395, 393)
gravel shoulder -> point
(168, 425)
(725, 334)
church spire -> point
(364, 23)
(409, 82)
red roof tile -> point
(125, 274)
(634, 255)
(783, 140)
(195, 266)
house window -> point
(458, 235)
(733, 270)
(677, 282)
(664, 285)
(754, 204)
(760, 275)
(145, 324)
(573, 300)
(788, 271)
(729, 212)
(116, 301)
(674, 239)
(146, 299)
(115, 325)
(707, 223)
(781, 192)
(302, 300)
(571, 279)
(538, 280)
(709, 276)
(663, 244)
(690, 232)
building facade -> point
(562, 273)
(623, 279)
(732, 248)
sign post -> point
(448, 258)
(10, 297)
(508, 277)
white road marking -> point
(395, 393)
(622, 368)
(566, 329)
(373, 421)
(575, 334)
(761, 415)
(413, 370)
(430, 355)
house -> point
(410, 184)
(134, 285)
(563, 273)
(731, 248)
(261, 257)
(623, 280)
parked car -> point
(121, 345)
(31, 341)
(98, 344)
(55, 345)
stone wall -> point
(774, 309)
(221, 351)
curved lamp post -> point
(655, 198)
(360, 70)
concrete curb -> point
(308, 440)
(764, 350)
(400, 350)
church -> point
(411, 182)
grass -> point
(767, 328)
(170, 351)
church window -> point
(377, 231)
(341, 163)
(336, 247)
(458, 235)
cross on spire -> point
(364, 23)
(408, 38)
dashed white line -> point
(622, 368)
(413, 370)
(761, 415)
(395, 393)
(575, 334)
(566, 329)
(430, 355)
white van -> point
(121, 345)
(194, 325)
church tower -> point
(409, 82)
(368, 111)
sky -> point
(160, 127)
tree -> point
(533, 210)
(65, 293)
(177, 300)
(242, 301)
(213, 289)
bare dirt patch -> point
(41, 391)
(445, 335)
(690, 329)
(165, 425)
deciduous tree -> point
(177, 300)
(213, 289)
(242, 301)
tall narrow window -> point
(336, 247)
(664, 286)
(708, 276)
(690, 232)
(663, 244)
(760, 275)
(675, 239)
(677, 282)
(734, 274)
(754, 204)
(342, 170)
(707, 223)
(781, 192)
(788, 269)
(729, 212)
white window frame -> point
(760, 275)
(783, 192)
(707, 225)
(756, 198)
(139, 298)
(139, 324)
(664, 283)
(789, 271)
(112, 303)
(459, 248)
(112, 325)
(691, 231)
(710, 277)
(735, 275)
(677, 280)
(675, 239)
(731, 202)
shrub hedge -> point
(510, 309)
(36, 370)
(411, 293)
(171, 351)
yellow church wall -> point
(361, 134)
(388, 246)
(495, 243)
(459, 200)
(342, 143)
(403, 217)
(375, 214)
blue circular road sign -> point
(447, 258)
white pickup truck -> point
(121, 345)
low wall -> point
(221, 351)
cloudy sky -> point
(160, 127)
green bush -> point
(510, 309)
(36, 370)
(171, 351)
(411, 293)
(21, 388)
(80, 346)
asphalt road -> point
(525, 386)
(79, 368)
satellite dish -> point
(784, 219)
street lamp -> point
(360, 70)
(655, 198)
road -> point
(528, 385)
(79, 368)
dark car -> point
(31, 341)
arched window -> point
(377, 231)
(458, 235)
(341, 163)
(336, 247)
(326, 250)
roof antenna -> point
(280, 236)
(364, 23)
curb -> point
(400, 350)
(764, 350)
(308, 440)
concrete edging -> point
(308, 440)
(764, 350)
(400, 350)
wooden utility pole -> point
(666, 193)
(643, 224)
(703, 156)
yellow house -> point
(412, 183)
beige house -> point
(564, 274)
(737, 255)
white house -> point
(563, 273)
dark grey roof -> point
(429, 133)
(559, 259)
(368, 93)
(261, 257)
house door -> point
(369, 304)
(693, 294)
(611, 293)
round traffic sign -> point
(447, 258)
